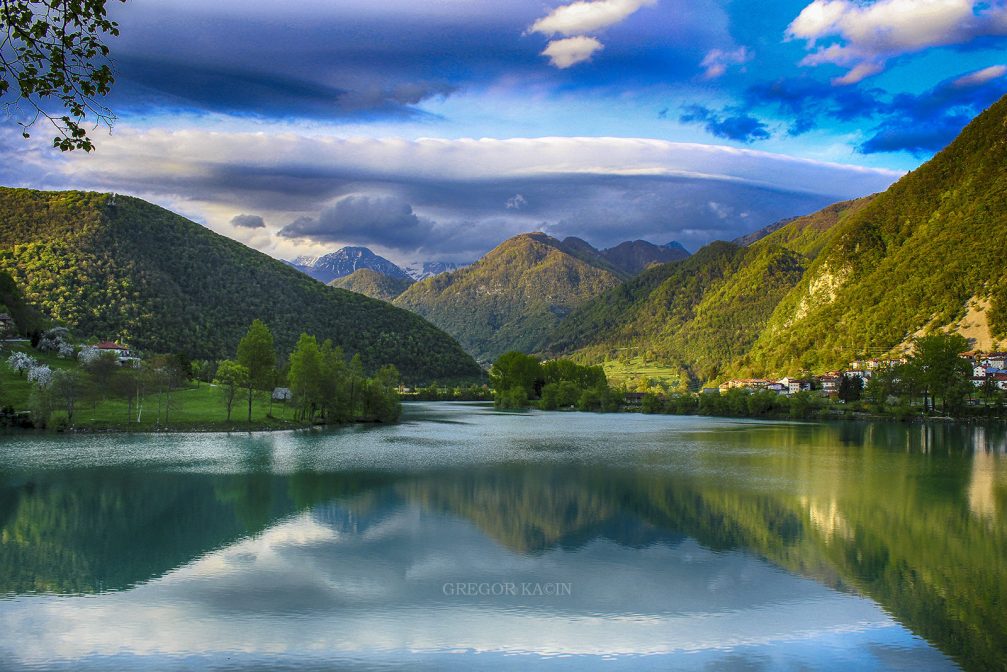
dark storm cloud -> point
(375, 220)
(470, 219)
(733, 126)
(361, 60)
(454, 199)
(248, 222)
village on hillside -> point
(987, 369)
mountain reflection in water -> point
(680, 542)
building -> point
(122, 354)
(829, 383)
(998, 360)
(746, 384)
(117, 349)
(635, 399)
(795, 385)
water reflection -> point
(683, 543)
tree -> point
(306, 375)
(334, 387)
(937, 365)
(230, 377)
(257, 353)
(355, 379)
(381, 397)
(850, 388)
(100, 369)
(66, 386)
(165, 374)
(53, 50)
(127, 384)
(517, 370)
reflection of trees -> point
(884, 510)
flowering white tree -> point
(88, 355)
(40, 374)
(65, 350)
(19, 362)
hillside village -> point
(987, 369)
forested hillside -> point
(118, 267)
(372, 283)
(917, 257)
(700, 314)
(512, 297)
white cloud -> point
(458, 184)
(867, 35)
(574, 21)
(516, 202)
(981, 76)
(579, 18)
(716, 61)
(571, 51)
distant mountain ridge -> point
(511, 297)
(635, 256)
(421, 270)
(344, 262)
(372, 283)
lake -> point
(469, 539)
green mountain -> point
(700, 314)
(372, 283)
(928, 253)
(859, 278)
(513, 296)
(118, 267)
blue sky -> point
(437, 129)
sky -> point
(435, 130)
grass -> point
(195, 407)
(637, 370)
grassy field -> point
(637, 370)
(193, 407)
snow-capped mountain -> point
(421, 270)
(343, 262)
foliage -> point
(513, 296)
(694, 317)
(257, 354)
(25, 317)
(514, 370)
(67, 387)
(850, 388)
(936, 367)
(54, 49)
(230, 377)
(908, 262)
(328, 387)
(512, 398)
(118, 267)
(20, 362)
(372, 283)
(557, 384)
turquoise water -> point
(465, 538)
